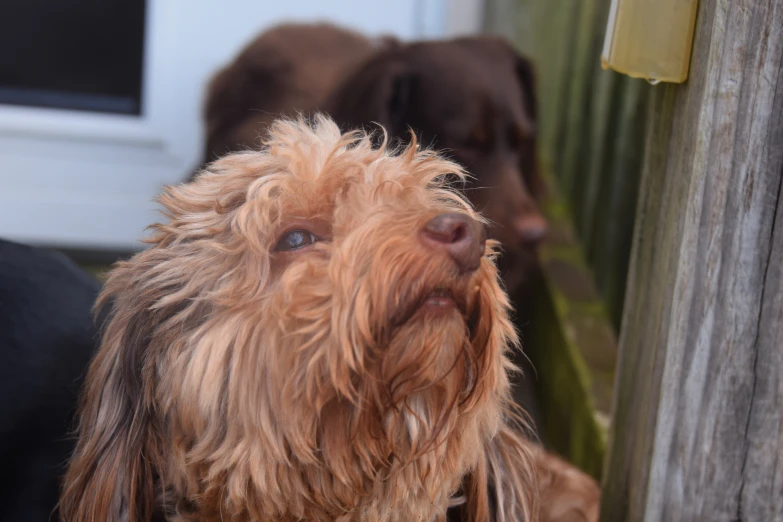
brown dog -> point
(317, 332)
(288, 69)
(475, 98)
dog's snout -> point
(531, 229)
(458, 234)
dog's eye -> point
(295, 240)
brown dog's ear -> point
(111, 474)
(383, 91)
(526, 76)
(524, 71)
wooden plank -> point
(599, 139)
(636, 391)
(611, 223)
(560, 35)
(586, 113)
(762, 472)
(578, 91)
(572, 344)
(702, 312)
(761, 492)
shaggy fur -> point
(237, 382)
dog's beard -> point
(428, 371)
(396, 389)
(410, 429)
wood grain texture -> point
(576, 108)
(698, 397)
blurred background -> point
(100, 102)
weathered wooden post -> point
(697, 433)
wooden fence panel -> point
(696, 433)
(579, 109)
(609, 228)
(599, 140)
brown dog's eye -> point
(519, 135)
(295, 240)
(478, 139)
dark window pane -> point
(72, 54)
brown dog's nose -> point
(531, 229)
(460, 235)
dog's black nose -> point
(458, 234)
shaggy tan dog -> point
(317, 333)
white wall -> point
(83, 180)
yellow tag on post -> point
(650, 39)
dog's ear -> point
(525, 72)
(111, 473)
(383, 91)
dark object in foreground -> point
(47, 337)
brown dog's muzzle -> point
(531, 228)
(461, 236)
